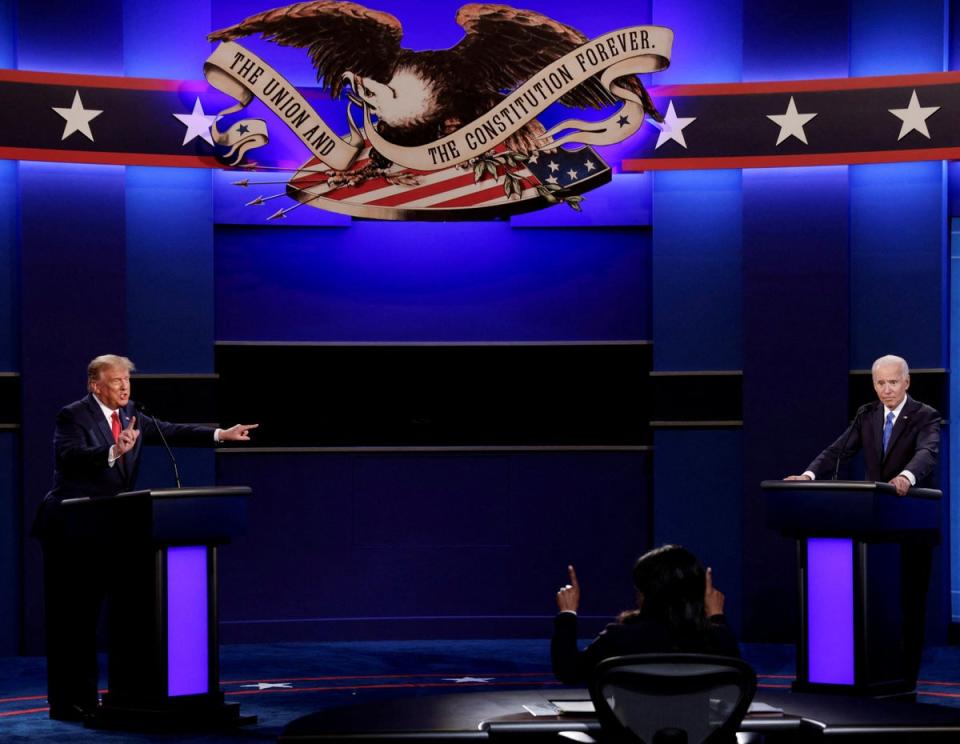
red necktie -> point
(115, 421)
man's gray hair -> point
(891, 359)
(102, 362)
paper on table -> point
(758, 708)
(573, 706)
(541, 709)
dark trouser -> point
(73, 594)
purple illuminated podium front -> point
(163, 664)
(849, 538)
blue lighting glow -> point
(71, 37)
(708, 41)
(432, 282)
(891, 37)
(166, 40)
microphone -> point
(142, 410)
(860, 411)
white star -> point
(672, 127)
(791, 123)
(268, 685)
(198, 123)
(551, 179)
(78, 118)
(460, 680)
(590, 166)
(573, 174)
(914, 117)
(554, 167)
(534, 158)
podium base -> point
(160, 717)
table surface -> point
(477, 714)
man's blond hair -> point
(104, 361)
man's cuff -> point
(810, 474)
(909, 476)
(110, 458)
(216, 435)
(568, 612)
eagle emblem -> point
(445, 134)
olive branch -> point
(493, 163)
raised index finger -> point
(709, 579)
(573, 576)
(133, 420)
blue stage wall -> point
(769, 273)
(169, 280)
(954, 441)
(428, 544)
(796, 353)
(10, 553)
(432, 282)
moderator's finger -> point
(250, 426)
(709, 578)
(573, 576)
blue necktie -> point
(887, 430)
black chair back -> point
(672, 698)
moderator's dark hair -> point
(672, 582)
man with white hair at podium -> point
(900, 439)
(899, 436)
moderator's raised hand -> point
(568, 598)
(712, 598)
(237, 433)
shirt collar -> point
(108, 412)
(896, 411)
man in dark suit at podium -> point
(900, 436)
(900, 439)
(97, 446)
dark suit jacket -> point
(640, 636)
(82, 440)
(914, 444)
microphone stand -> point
(860, 411)
(176, 471)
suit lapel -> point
(100, 421)
(873, 431)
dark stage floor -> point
(280, 682)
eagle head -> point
(407, 100)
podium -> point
(163, 665)
(853, 540)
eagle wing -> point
(505, 46)
(339, 37)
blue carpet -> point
(283, 681)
